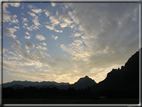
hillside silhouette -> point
(119, 83)
(122, 82)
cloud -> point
(39, 54)
(55, 37)
(13, 19)
(37, 10)
(58, 30)
(27, 37)
(6, 17)
(24, 20)
(31, 6)
(27, 33)
(44, 44)
(16, 27)
(9, 66)
(15, 4)
(53, 4)
(9, 32)
(16, 45)
(29, 45)
(41, 48)
(32, 27)
(104, 36)
(9, 18)
(52, 28)
(63, 25)
(40, 37)
(54, 20)
(35, 20)
(76, 35)
(32, 14)
(25, 25)
(49, 27)
(47, 13)
(65, 18)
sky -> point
(63, 42)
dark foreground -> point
(70, 101)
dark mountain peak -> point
(84, 82)
(86, 76)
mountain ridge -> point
(83, 82)
(121, 81)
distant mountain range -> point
(81, 83)
(29, 83)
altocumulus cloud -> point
(29, 45)
(40, 37)
(10, 32)
(107, 30)
(37, 10)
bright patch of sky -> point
(65, 41)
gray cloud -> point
(110, 35)
(29, 45)
(16, 45)
(9, 32)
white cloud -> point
(63, 25)
(58, 30)
(49, 27)
(32, 27)
(41, 48)
(29, 45)
(32, 14)
(25, 24)
(54, 20)
(6, 17)
(15, 4)
(13, 19)
(16, 27)
(53, 4)
(24, 20)
(35, 20)
(77, 34)
(10, 66)
(44, 44)
(52, 28)
(40, 37)
(47, 13)
(9, 32)
(27, 37)
(9, 18)
(27, 33)
(55, 37)
(37, 10)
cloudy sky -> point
(65, 41)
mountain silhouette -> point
(84, 83)
(122, 82)
(29, 83)
(81, 83)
